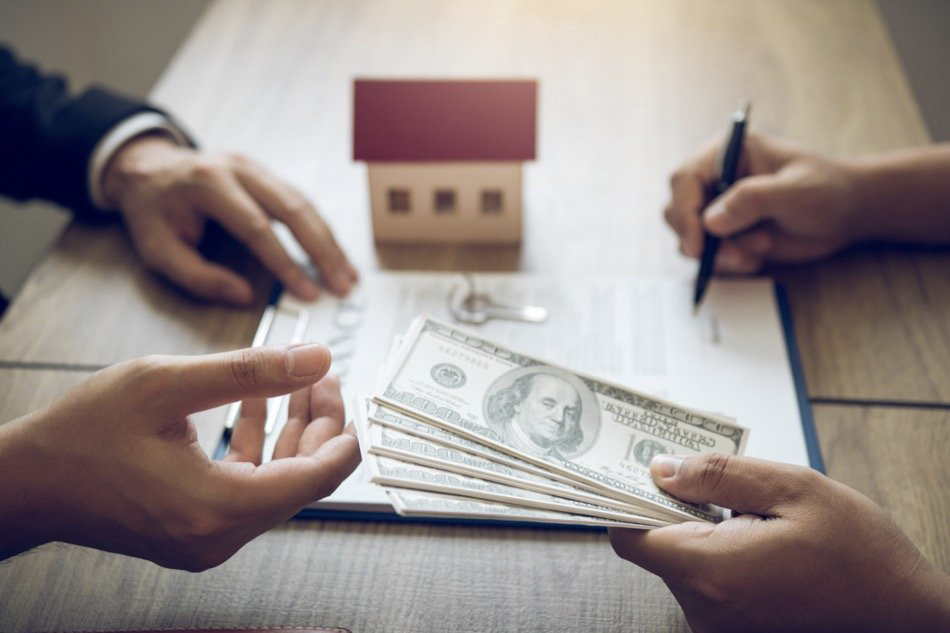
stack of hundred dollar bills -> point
(461, 427)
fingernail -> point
(342, 281)
(714, 210)
(690, 245)
(309, 359)
(666, 466)
(308, 290)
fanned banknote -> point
(453, 455)
(413, 503)
(594, 434)
(393, 472)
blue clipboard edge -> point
(392, 517)
(815, 460)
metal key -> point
(474, 308)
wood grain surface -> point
(362, 576)
(873, 324)
(898, 458)
(90, 303)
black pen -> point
(728, 168)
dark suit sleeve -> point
(47, 136)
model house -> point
(444, 158)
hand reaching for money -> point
(806, 554)
(115, 463)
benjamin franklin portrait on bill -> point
(543, 411)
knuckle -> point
(712, 471)
(237, 159)
(148, 370)
(205, 169)
(154, 377)
(197, 537)
(196, 282)
(670, 215)
(297, 207)
(247, 368)
(744, 197)
(790, 489)
(200, 526)
(679, 177)
(258, 230)
(707, 585)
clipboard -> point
(348, 326)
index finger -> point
(290, 207)
(229, 203)
(688, 187)
(681, 551)
(665, 551)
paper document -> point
(730, 359)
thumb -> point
(283, 486)
(745, 204)
(197, 383)
(743, 484)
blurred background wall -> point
(921, 32)
(124, 44)
(127, 43)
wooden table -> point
(628, 90)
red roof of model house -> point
(452, 120)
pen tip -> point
(745, 106)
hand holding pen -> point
(787, 205)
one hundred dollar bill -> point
(389, 441)
(394, 473)
(390, 417)
(413, 503)
(598, 434)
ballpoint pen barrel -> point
(731, 156)
(728, 172)
(706, 264)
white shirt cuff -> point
(121, 133)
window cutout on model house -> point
(398, 200)
(444, 201)
(491, 201)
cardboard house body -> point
(444, 158)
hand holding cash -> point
(463, 427)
